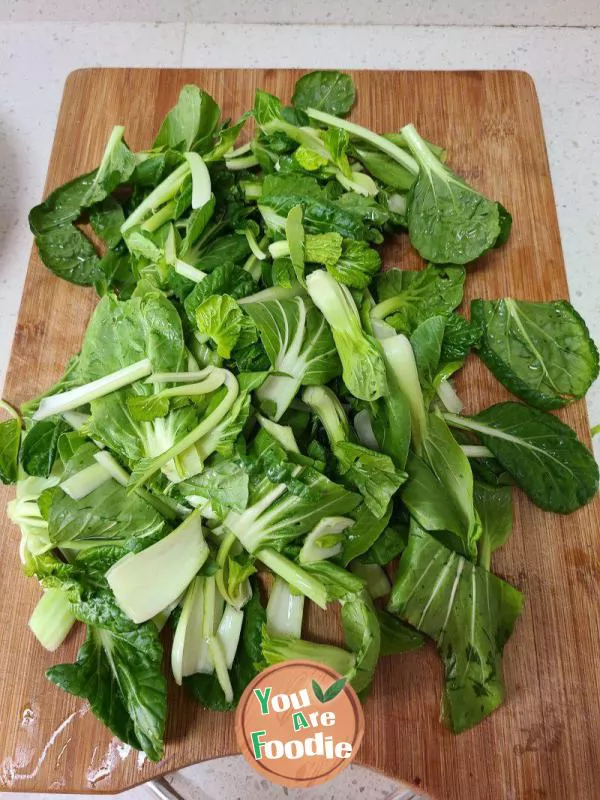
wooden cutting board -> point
(545, 741)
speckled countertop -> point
(37, 52)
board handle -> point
(164, 791)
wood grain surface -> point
(544, 742)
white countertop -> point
(35, 58)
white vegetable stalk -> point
(297, 577)
(66, 401)
(187, 641)
(285, 610)
(113, 141)
(229, 632)
(240, 151)
(147, 582)
(192, 364)
(364, 430)
(248, 526)
(208, 616)
(85, 481)
(110, 464)
(164, 191)
(24, 512)
(163, 215)
(257, 252)
(252, 263)
(236, 596)
(392, 150)
(190, 652)
(279, 249)
(336, 303)
(252, 189)
(179, 377)
(278, 391)
(161, 619)
(400, 360)
(398, 204)
(187, 271)
(451, 401)
(476, 451)
(468, 424)
(272, 220)
(281, 433)
(213, 607)
(52, 619)
(361, 183)
(201, 189)
(378, 584)
(170, 248)
(184, 466)
(326, 405)
(76, 419)
(245, 162)
(419, 148)
(325, 540)
(273, 293)
(148, 469)
(277, 649)
(381, 330)
(218, 658)
(215, 378)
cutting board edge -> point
(71, 78)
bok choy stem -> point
(81, 395)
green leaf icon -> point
(330, 693)
(335, 688)
(318, 692)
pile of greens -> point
(254, 395)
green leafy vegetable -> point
(388, 545)
(448, 221)
(256, 394)
(373, 474)
(439, 490)
(395, 636)
(191, 123)
(495, 509)
(385, 168)
(356, 265)
(119, 673)
(116, 167)
(300, 347)
(362, 363)
(40, 447)
(470, 615)
(329, 91)
(106, 219)
(10, 439)
(541, 453)
(282, 501)
(62, 206)
(70, 255)
(542, 352)
(221, 319)
(407, 298)
(321, 214)
(225, 279)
